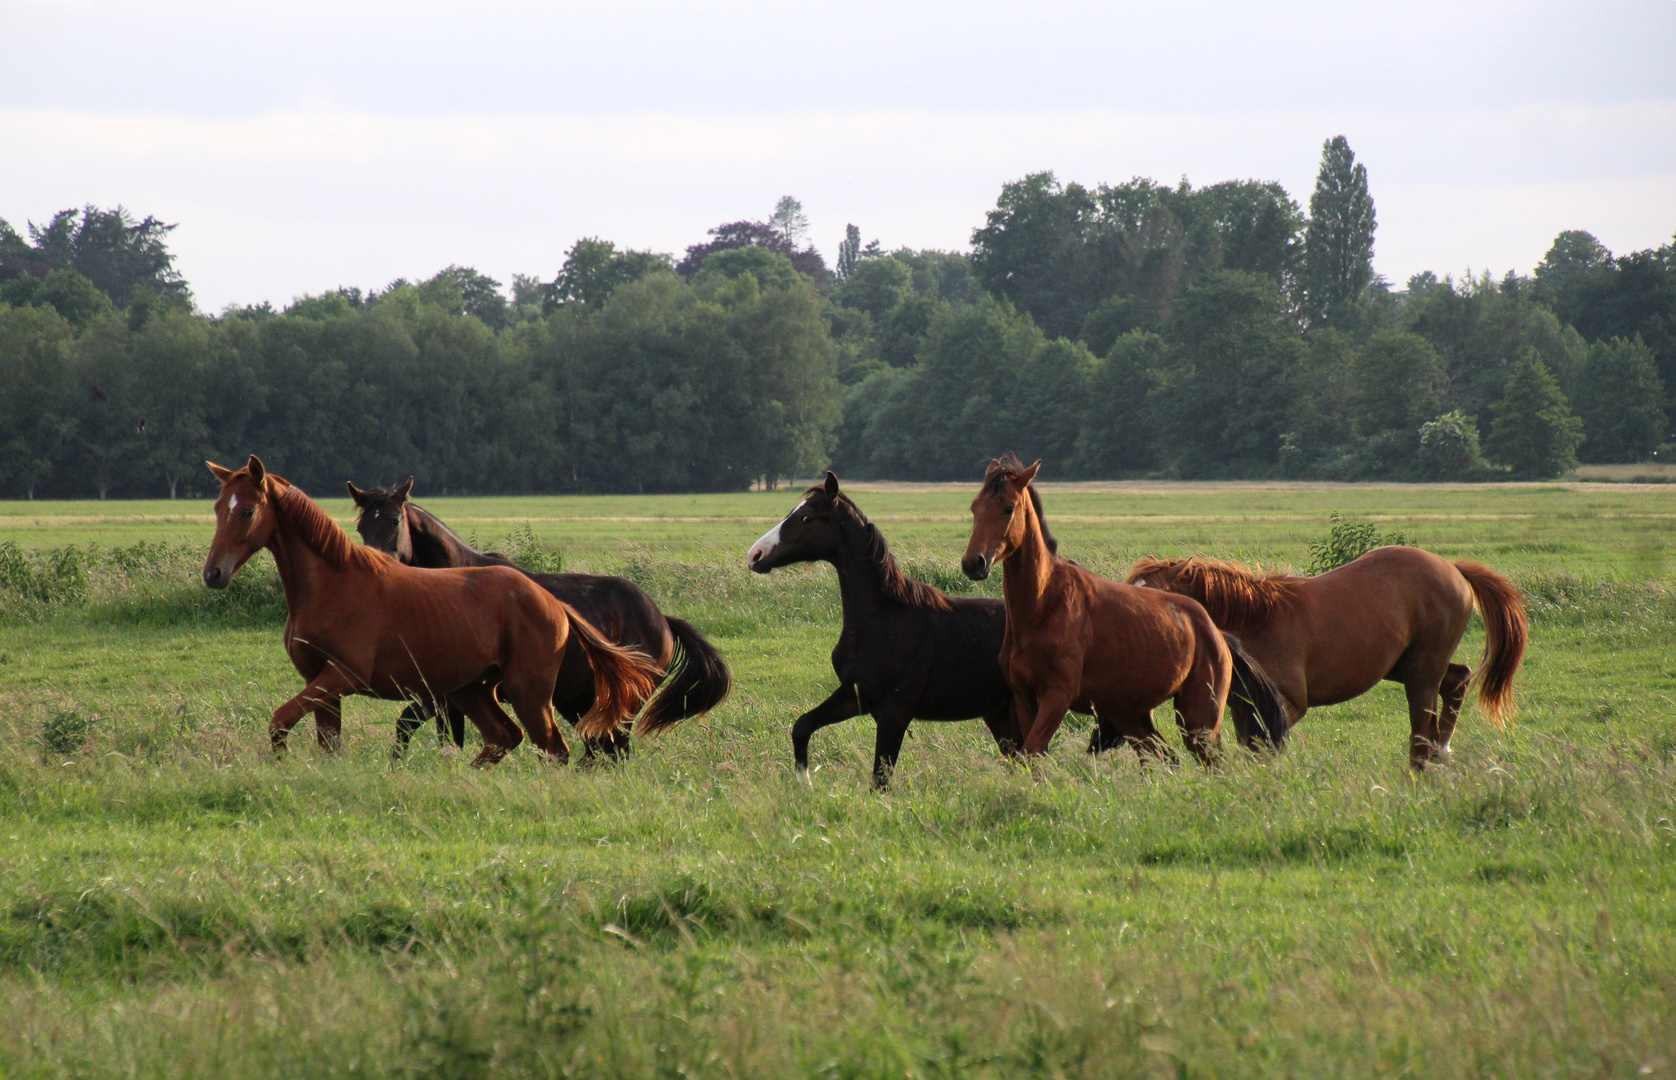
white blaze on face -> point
(232, 504)
(770, 539)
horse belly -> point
(1134, 666)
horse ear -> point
(831, 484)
(401, 491)
(221, 474)
(356, 493)
(1029, 474)
(258, 471)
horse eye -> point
(1006, 511)
(805, 519)
(250, 512)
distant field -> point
(174, 904)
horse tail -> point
(1260, 715)
(623, 679)
(1506, 633)
(697, 681)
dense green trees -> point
(1135, 329)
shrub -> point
(1347, 541)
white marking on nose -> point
(770, 539)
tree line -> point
(1122, 330)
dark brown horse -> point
(907, 650)
(1396, 613)
(359, 622)
(1076, 641)
(695, 677)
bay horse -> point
(1396, 613)
(359, 622)
(908, 651)
(1077, 642)
(695, 678)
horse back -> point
(616, 607)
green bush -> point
(1347, 541)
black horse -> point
(696, 678)
(907, 651)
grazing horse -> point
(359, 622)
(1076, 641)
(907, 650)
(696, 678)
(1396, 613)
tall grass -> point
(175, 903)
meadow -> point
(175, 903)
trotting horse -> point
(359, 622)
(1396, 613)
(695, 677)
(1076, 641)
(907, 650)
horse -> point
(907, 650)
(1077, 642)
(359, 622)
(695, 677)
(1396, 613)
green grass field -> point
(174, 903)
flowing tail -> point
(623, 679)
(1259, 709)
(1506, 632)
(697, 681)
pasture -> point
(174, 903)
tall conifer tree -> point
(1338, 242)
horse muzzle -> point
(976, 567)
(217, 575)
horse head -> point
(244, 518)
(382, 518)
(809, 533)
(998, 529)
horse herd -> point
(417, 614)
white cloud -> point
(303, 199)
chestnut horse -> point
(695, 677)
(1396, 613)
(1076, 641)
(359, 622)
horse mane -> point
(316, 529)
(896, 585)
(1005, 468)
(1236, 596)
(435, 529)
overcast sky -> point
(306, 145)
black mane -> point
(896, 585)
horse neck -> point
(860, 591)
(436, 545)
(1026, 572)
(303, 567)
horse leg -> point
(1423, 738)
(532, 700)
(1450, 696)
(411, 720)
(328, 686)
(1136, 731)
(1051, 708)
(843, 703)
(1002, 723)
(1199, 718)
(500, 734)
(892, 723)
(456, 724)
(328, 725)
